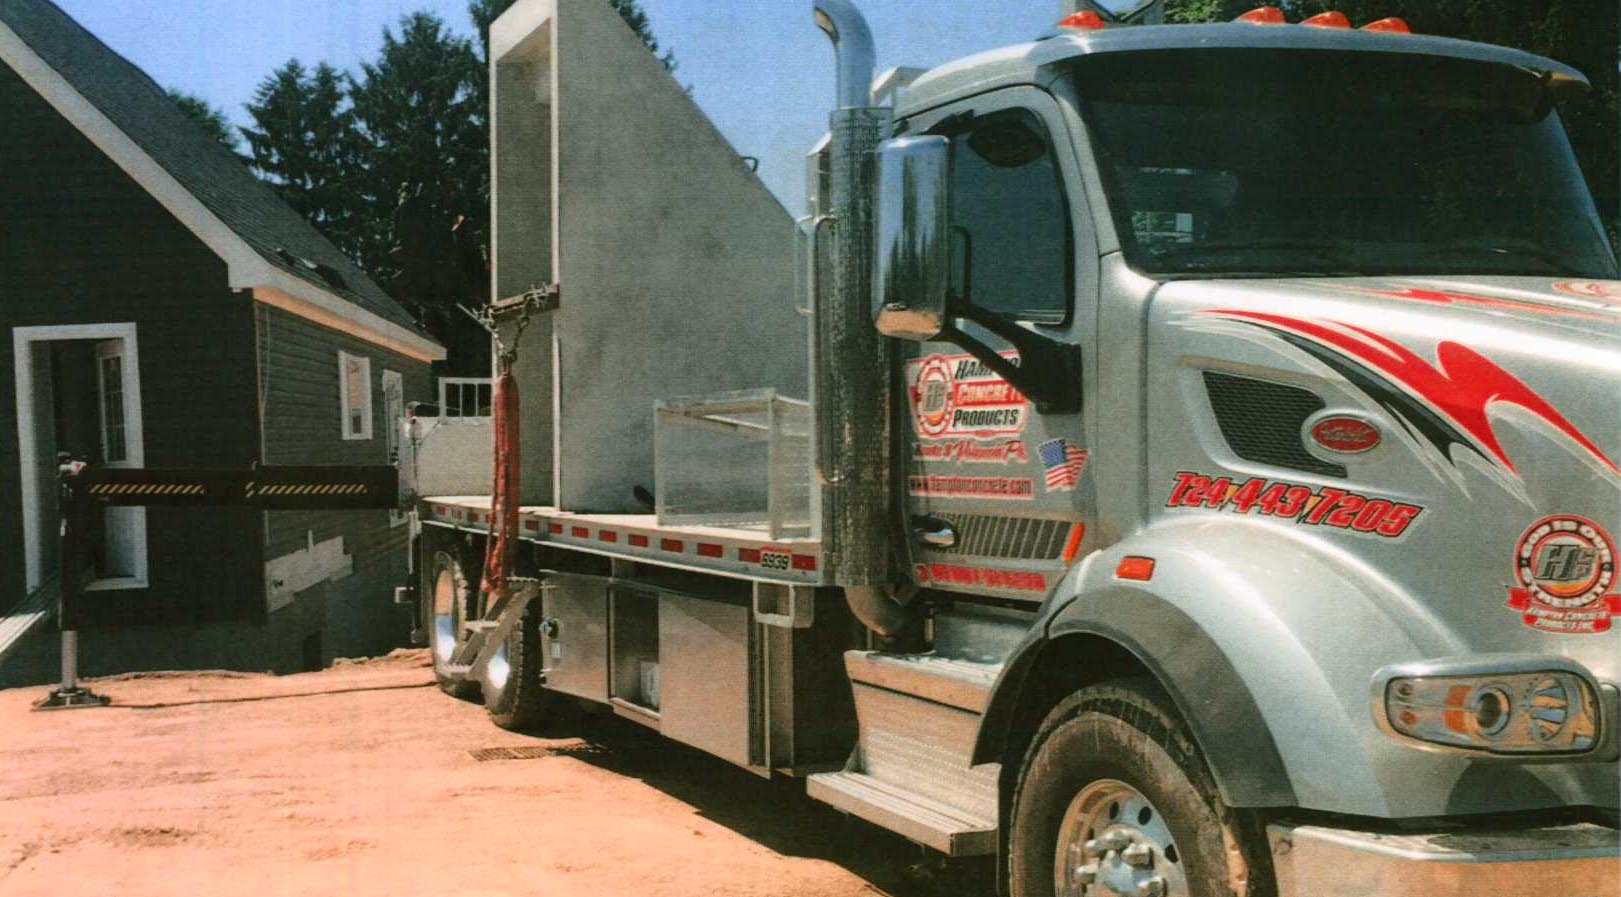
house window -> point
(464, 396)
(354, 388)
(114, 445)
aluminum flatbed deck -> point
(723, 551)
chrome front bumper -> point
(1563, 861)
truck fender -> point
(1264, 638)
(1209, 693)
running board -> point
(26, 616)
(910, 815)
(911, 772)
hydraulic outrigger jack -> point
(84, 490)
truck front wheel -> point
(1113, 798)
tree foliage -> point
(305, 145)
(1579, 33)
(392, 162)
(210, 118)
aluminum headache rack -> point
(740, 460)
(727, 551)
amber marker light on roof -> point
(1327, 20)
(1082, 21)
(1391, 25)
(1263, 15)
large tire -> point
(511, 681)
(1113, 792)
(447, 596)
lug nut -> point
(1085, 875)
(1138, 854)
(1151, 887)
(1116, 840)
(1095, 848)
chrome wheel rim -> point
(1114, 842)
(497, 670)
(446, 595)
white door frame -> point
(22, 344)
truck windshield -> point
(1268, 162)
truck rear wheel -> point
(1114, 799)
(512, 679)
(446, 611)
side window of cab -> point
(1012, 242)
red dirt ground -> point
(359, 781)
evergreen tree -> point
(303, 143)
(210, 118)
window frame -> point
(369, 406)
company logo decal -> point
(1063, 463)
(1446, 403)
(980, 577)
(1324, 506)
(968, 451)
(957, 395)
(1345, 435)
(1563, 567)
(1006, 488)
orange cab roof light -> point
(1391, 25)
(1083, 21)
(1327, 20)
(1263, 15)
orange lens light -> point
(1263, 15)
(1083, 21)
(1137, 568)
(1391, 25)
(1327, 20)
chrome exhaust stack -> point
(852, 370)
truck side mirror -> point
(912, 280)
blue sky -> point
(759, 68)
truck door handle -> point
(934, 532)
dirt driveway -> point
(365, 781)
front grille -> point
(1262, 421)
(1013, 538)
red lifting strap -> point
(503, 545)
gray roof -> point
(221, 182)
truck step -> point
(457, 670)
(947, 829)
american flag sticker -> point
(1063, 462)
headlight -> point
(1524, 706)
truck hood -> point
(1500, 404)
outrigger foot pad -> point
(71, 699)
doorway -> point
(78, 392)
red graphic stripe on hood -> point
(1462, 385)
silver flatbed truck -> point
(1177, 460)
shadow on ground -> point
(773, 813)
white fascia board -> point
(245, 267)
(299, 297)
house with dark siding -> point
(160, 306)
